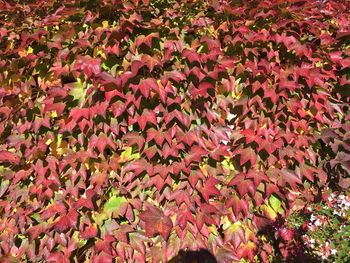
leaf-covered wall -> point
(132, 130)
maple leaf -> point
(156, 222)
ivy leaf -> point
(184, 215)
(67, 221)
(114, 204)
(147, 117)
(36, 230)
(146, 85)
(90, 232)
(288, 176)
(247, 250)
(127, 155)
(137, 242)
(147, 40)
(156, 222)
(3, 187)
(6, 156)
(209, 188)
(275, 203)
(77, 90)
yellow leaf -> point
(54, 114)
(200, 49)
(269, 212)
(105, 24)
(204, 169)
(128, 156)
(213, 230)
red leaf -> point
(195, 155)
(308, 172)
(58, 107)
(147, 40)
(288, 176)
(247, 250)
(102, 258)
(157, 136)
(135, 138)
(177, 76)
(147, 117)
(67, 221)
(209, 188)
(138, 166)
(57, 257)
(201, 90)
(246, 186)
(156, 222)
(150, 152)
(89, 232)
(52, 210)
(136, 65)
(286, 234)
(151, 62)
(146, 85)
(137, 242)
(248, 154)
(6, 156)
(101, 143)
(36, 231)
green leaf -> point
(275, 203)
(4, 186)
(78, 91)
(228, 164)
(36, 217)
(79, 241)
(114, 204)
(128, 156)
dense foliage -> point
(132, 130)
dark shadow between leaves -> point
(200, 256)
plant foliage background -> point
(132, 130)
